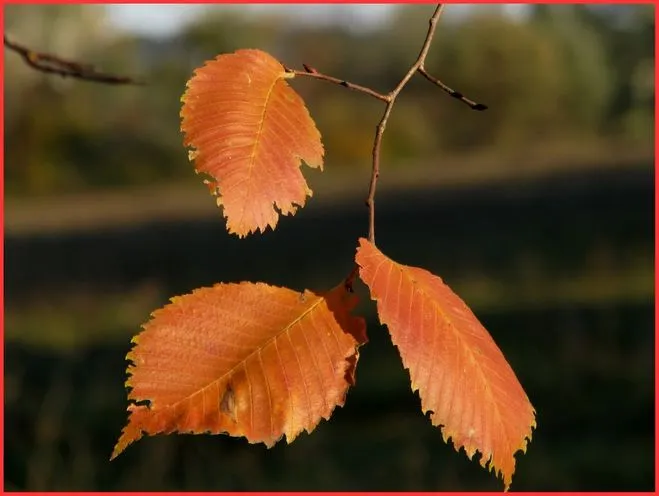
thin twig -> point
(450, 91)
(49, 63)
(390, 99)
(370, 201)
(309, 72)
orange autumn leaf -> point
(248, 130)
(244, 359)
(460, 373)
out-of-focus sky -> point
(164, 20)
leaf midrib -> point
(266, 343)
(252, 158)
(422, 289)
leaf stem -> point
(350, 279)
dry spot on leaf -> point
(244, 359)
(460, 373)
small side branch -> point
(451, 92)
(310, 72)
(52, 64)
(390, 98)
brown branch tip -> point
(53, 64)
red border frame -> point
(656, 238)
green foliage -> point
(520, 77)
(561, 77)
(589, 81)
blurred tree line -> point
(568, 77)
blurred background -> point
(538, 212)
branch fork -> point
(390, 98)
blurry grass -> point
(630, 285)
(78, 319)
(189, 198)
